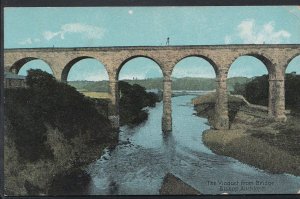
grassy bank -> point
(253, 138)
(249, 149)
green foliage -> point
(186, 83)
(26, 127)
(133, 99)
(257, 90)
(292, 91)
(234, 82)
(48, 102)
(189, 83)
(238, 89)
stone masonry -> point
(275, 57)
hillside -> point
(186, 83)
(50, 130)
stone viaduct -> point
(275, 57)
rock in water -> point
(172, 185)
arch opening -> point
(249, 76)
(138, 60)
(140, 85)
(193, 80)
(292, 84)
(203, 59)
(23, 65)
(88, 76)
(194, 73)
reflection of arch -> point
(210, 61)
(133, 57)
(15, 68)
(290, 60)
(67, 68)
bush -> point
(133, 99)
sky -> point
(136, 26)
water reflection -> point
(169, 145)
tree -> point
(133, 99)
(257, 91)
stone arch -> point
(133, 57)
(263, 58)
(70, 64)
(15, 68)
(206, 58)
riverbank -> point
(51, 132)
(253, 138)
(63, 174)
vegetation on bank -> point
(257, 91)
(186, 83)
(50, 129)
(133, 100)
(205, 106)
(253, 137)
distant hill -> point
(186, 83)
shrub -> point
(133, 99)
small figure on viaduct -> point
(275, 57)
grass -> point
(98, 95)
(251, 150)
(211, 98)
(287, 137)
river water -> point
(145, 155)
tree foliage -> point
(133, 99)
(257, 90)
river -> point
(145, 155)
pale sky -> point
(134, 26)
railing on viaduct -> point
(275, 57)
